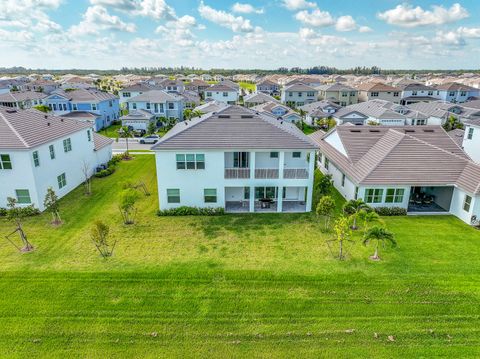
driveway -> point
(133, 145)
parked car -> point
(139, 133)
(150, 139)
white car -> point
(150, 139)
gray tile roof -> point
(220, 88)
(379, 109)
(211, 106)
(155, 96)
(21, 96)
(299, 87)
(335, 87)
(81, 114)
(457, 135)
(455, 86)
(23, 129)
(140, 87)
(85, 95)
(101, 141)
(138, 115)
(259, 97)
(442, 109)
(234, 127)
(407, 155)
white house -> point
(158, 102)
(318, 110)
(417, 92)
(221, 93)
(298, 94)
(471, 140)
(134, 90)
(138, 119)
(456, 92)
(277, 111)
(22, 99)
(38, 151)
(420, 169)
(257, 98)
(237, 160)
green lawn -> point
(110, 131)
(233, 286)
(247, 86)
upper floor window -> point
(94, 106)
(110, 103)
(148, 105)
(463, 93)
(134, 105)
(67, 145)
(62, 180)
(327, 163)
(74, 106)
(374, 94)
(273, 154)
(5, 162)
(343, 180)
(470, 133)
(225, 94)
(51, 148)
(300, 94)
(344, 94)
(396, 94)
(190, 161)
(171, 106)
(126, 94)
(310, 94)
(353, 93)
(414, 93)
(209, 94)
(36, 159)
(451, 93)
(290, 94)
(89, 136)
(296, 154)
(430, 93)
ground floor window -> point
(356, 193)
(394, 195)
(173, 195)
(62, 180)
(246, 193)
(265, 192)
(343, 180)
(373, 195)
(327, 162)
(23, 196)
(467, 203)
(210, 195)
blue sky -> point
(109, 34)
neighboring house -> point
(441, 111)
(377, 90)
(197, 85)
(211, 106)
(206, 77)
(338, 93)
(97, 102)
(231, 84)
(94, 119)
(298, 94)
(382, 112)
(221, 93)
(236, 160)
(268, 87)
(456, 93)
(45, 86)
(417, 92)
(138, 119)
(22, 99)
(277, 111)
(257, 98)
(160, 103)
(457, 136)
(190, 99)
(38, 151)
(4, 86)
(318, 110)
(134, 90)
(420, 169)
(471, 139)
(168, 85)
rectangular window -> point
(467, 203)
(327, 162)
(273, 154)
(190, 161)
(171, 106)
(296, 154)
(173, 195)
(62, 181)
(67, 145)
(225, 94)
(181, 164)
(374, 94)
(94, 106)
(463, 93)
(396, 94)
(89, 136)
(344, 94)
(23, 196)
(148, 105)
(414, 93)
(240, 160)
(134, 105)
(470, 133)
(200, 161)
(51, 148)
(74, 107)
(246, 193)
(310, 94)
(5, 162)
(394, 195)
(265, 192)
(210, 195)
(110, 103)
(356, 193)
(36, 159)
(430, 93)
(451, 94)
(343, 180)
(373, 195)
(209, 94)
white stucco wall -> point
(472, 147)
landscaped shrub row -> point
(25, 211)
(111, 166)
(192, 211)
(391, 211)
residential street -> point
(133, 145)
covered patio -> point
(430, 199)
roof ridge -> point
(14, 130)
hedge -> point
(192, 211)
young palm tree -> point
(379, 235)
(126, 133)
(368, 217)
(197, 113)
(187, 114)
(353, 207)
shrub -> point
(27, 211)
(192, 211)
(391, 211)
(3, 212)
(114, 160)
(105, 173)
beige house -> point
(338, 93)
(374, 91)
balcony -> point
(295, 173)
(263, 173)
(237, 173)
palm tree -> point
(196, 113)
(379, 234)
(302, 114)
(187, 114)
(353, 207)
(126, 132)
(368, 217)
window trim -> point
(467, 203)
(373, 195)
(172, 198)
(36, 158)
(51, 149)
(67, 145)
(62, 180)
(19, 200)
(210, 198)
(397, 196)
(4, 161)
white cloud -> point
(469, 32)
(298, 4)
(364, 29)
(179, 31)
(450, 38)
(97, 18)
(246, 9)
(345, 23)
(408, 16)
(222, 18)
(317, 18)
(155, 9)
(311, 37)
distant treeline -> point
(316, 70)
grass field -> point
(110, 131)
(234, 286)
(247, 86)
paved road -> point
(133, 145)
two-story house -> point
(134, 90)
(471, 139)
(221, 93)
(417, 92)
(277, 110)
(298, 94)
(456, 92)
(237, 160)
(196, 85)
(160, 103)
(257, 98)
(22, 99)
(319, 110)
(103, 104)
(338, 93)
(377, 90)
(268, 87)
(38, 151)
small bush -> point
(192, 211)
(27, 211)
(3, 212)
(105, 173)
(391, 211)
(114, 160)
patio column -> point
(251, 163)
(281, 164)
(311, 169)
(252, 199)
(280, 199)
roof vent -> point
(61, 119)
(48, 123)
(374, 130)
(11, 110)
(409, 131)
(46, 116)
(428, 130)
(245, 116)
(223, 116)
(186, 123)
(355, 130)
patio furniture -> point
(265, 202)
